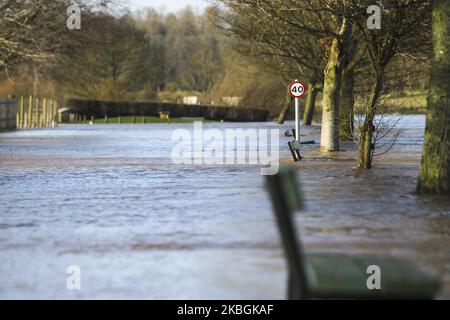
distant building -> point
(232, 101)
(65, 115)
(193, 100)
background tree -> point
(111, 64)
(352, 67)
(206, 62)
(289, 52)
(404, 26)
(194, 57)
(315, 19)
(30, 31)
(154, 25)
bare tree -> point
(263, 33)
(30, 30)
(404, 29)
(109, 59)
(293, 28)
(387, 127)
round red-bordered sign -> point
(297, 89)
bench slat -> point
(344, 276)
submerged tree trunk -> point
(283, 114)
(346, 104)
(366, 146)
(329, 138)
(313, 90)
(434, 175)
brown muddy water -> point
(109, 199)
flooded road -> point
(109, 199)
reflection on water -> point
(108, 198)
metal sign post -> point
(297, 119)
(297, 90)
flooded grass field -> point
(109, 199)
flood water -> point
(109, 199)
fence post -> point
(36, 114)
(30, 111)
(44, 113)
(22, 113)
(55, 114)
(49, 113)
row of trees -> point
(194, 56)
(329, 44)
(124, 56)
(112, 56)
(29, 31)
(134, 57)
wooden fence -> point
(101, 109)
(35, 112)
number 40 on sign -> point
(297, 89)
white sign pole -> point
(297, 119)
(297, 90)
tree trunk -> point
(285, 111)
(366, 146)
(329, 138)
(310, 104)
(434, 175)
(346, 104)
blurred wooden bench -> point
(337, 276)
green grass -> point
(144, 119)
(414, 103)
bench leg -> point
(294, 146)
(293, 152)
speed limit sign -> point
(297, 89)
